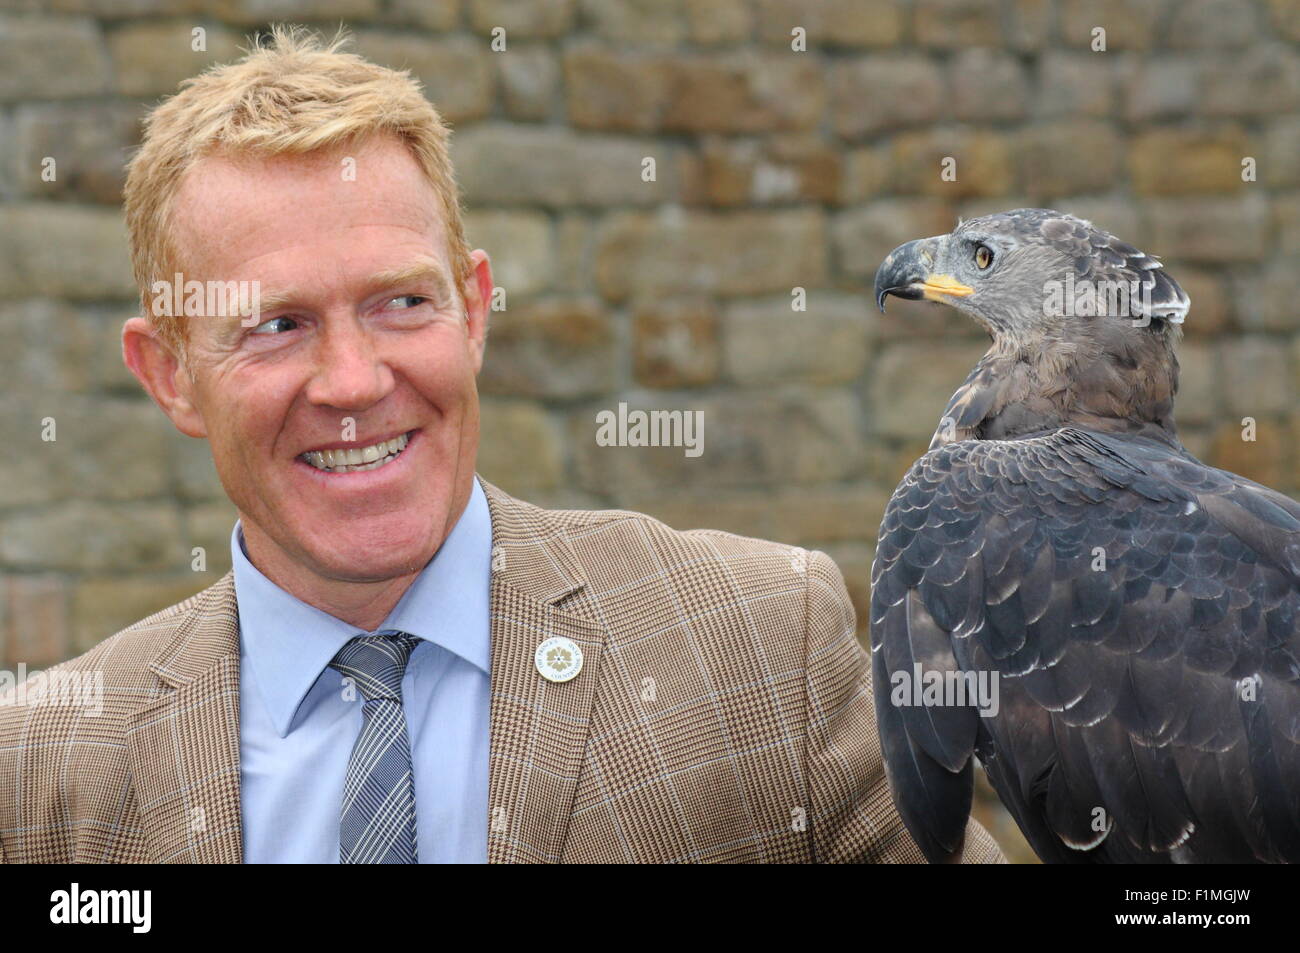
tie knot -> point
(376, 663)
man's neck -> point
(361, 603)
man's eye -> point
(405, 301)
(265, 326)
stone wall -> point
(775, 169)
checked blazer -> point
(723, 714)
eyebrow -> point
(425, 270)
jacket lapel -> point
(538, 728)
(184, 745)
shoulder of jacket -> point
(128, 650)
(578, 523)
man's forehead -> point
(313, 230)
(382, 156)
(228, 196)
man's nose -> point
(351, 373)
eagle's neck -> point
(1114, 379)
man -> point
(405, 663)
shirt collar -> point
(288, 643)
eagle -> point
(1063, 592)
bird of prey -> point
(1061, 590)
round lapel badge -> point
(558, 659)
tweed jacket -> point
(723, 714)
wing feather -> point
(1124, 595)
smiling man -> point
(406, 664)
(361, 330)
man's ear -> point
(478, 303)
(162, 374)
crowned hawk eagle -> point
(1136, 610)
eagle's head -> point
(1083, 324)
(1035, 271)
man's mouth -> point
(355, 459)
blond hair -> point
(291, 97)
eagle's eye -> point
(983, 256)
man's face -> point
(360, 322)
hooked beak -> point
(907, 272)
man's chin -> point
(343, 565)
(348, 546)
(370, 553)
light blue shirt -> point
(296, 730)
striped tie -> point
(377, 820)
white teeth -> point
(362, 458)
